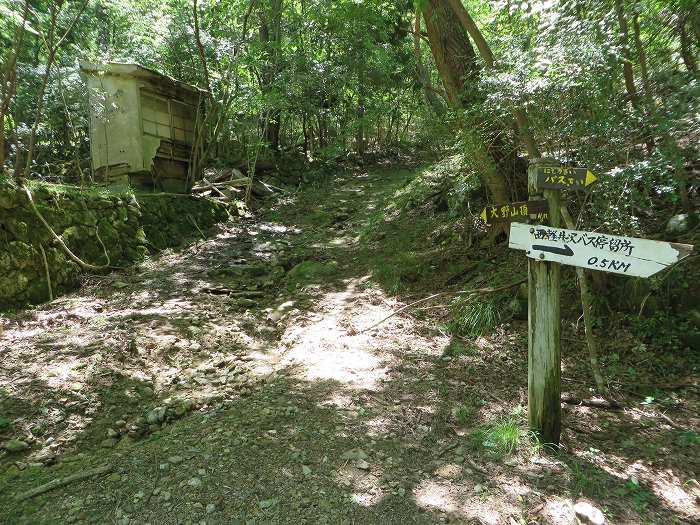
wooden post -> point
(544, 327)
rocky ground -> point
(232, 382)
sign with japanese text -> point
(561, 178)
(597, 251)
(536, 209)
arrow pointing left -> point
(566, 250)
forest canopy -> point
(612, 85)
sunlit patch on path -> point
(279, 407)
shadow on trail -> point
(331, 425)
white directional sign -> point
(596, 251)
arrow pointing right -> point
(590, 178)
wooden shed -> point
(141, 126)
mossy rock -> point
(8, 198)
(309, 272)
(21, 253)
(13, 285)
(18, 228)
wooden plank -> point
(597, 251)
(562, 178)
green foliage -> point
(640, 495)
(474, 316)
(405, 268)
(587, 480)
(310, 272)
(4, 422)
(463, 414)
(689, 438)
(661, 329)
(457, 348)
(498, 438)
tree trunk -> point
(52, 45)
(423, 75)
(305, 130)
(627, 71)
(686, 48)
(453, 52)
(456, 62)
(360, 130)
(9, 79)
(487, 56)
(102, 18)
(271, 36)
(642, 57)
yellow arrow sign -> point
(590, 178)
(563, 178)
(534, 209)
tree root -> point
(60, 482)
(46, 269)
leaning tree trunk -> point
(456, 62)
(453, 52)
(687, 53)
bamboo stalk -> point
(587, 303)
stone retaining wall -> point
(130, 226)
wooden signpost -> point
(544, 325)
(535, 209)
(548, 246)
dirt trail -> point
(228, 383)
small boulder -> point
(518, 308)
(108, 443)
(678, 224)
(362, 464)
(194, 482)
(156, 416)
(587, 514)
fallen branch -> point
(227, 184)
(593, 403)
(232, 293)
(441, 294)
(60, 482)
(71, 255)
